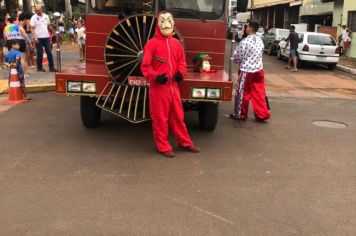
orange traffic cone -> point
(44, 58)
(15, 92)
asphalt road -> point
(284, 177)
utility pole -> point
(68, 7)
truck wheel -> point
(90, 113)
(270, 49)
(208, 115)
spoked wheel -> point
(125, 44)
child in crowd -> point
(81, 35)
(13, 58)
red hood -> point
(158, 33)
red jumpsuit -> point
(165, 55)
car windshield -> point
(321, 40)
(125, 6)
(195, 9)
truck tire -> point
(90, 113)
(208, 115)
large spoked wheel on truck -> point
(208, 115)
(90, 113)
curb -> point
(346, 69)
(34, 88)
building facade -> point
(19, 3)
(316, 13)
(276, 13)
(344, 13)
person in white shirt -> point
(346, 38)
(81, 36)
(40, 24)
(251, 84)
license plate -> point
(137, 81)
(320, 58)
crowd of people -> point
(26, 35)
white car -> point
(260, 32)
(314, 48)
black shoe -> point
(41, 70)
(235, 117)
(53, 70)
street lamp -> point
(57, 15)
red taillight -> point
(337, 50)
(306, 48)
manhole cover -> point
(329, 124)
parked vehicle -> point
(314, 48)
(260, 32)
(272, 38)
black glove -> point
(178, 76)
(162, 79)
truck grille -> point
(126, 101)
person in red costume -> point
(164, 66)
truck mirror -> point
(241, 6)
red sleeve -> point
(146, 67)
(182, 64)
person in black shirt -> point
(293, 41)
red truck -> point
(116, 33)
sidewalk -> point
(44, 81)
(347, 64)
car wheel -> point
(270, 49)
(279, 54)
(332, 67)
(301, 64)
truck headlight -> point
(89, 87)
(213, 94)
(75, 87)
(198, 92)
